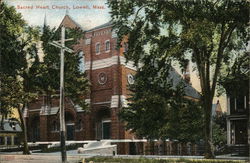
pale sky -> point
(87, 13)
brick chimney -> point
(186, 74)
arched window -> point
(82, 61)
(79, 124)
(54, 126)
(125, 47)
(97, 48)
(107, 45)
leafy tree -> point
(219, 132)
(18, 49)
(236, 79)
(11, 28)
(201, 30)
(158, 110)
(47, 82)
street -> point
(72, 157)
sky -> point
(87, 13)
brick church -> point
(109, 75)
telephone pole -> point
(61, 44)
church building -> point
(109, 75)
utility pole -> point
(62, 118)
(61, 44)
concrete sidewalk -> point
(36, 159)
(75, 158)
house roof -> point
(10, 126)
(188, 89)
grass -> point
(147, 160)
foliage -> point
(18, 49)
(148, 160)
(12, 55)
(76, 83)
(11, 28)
(204, 31)
(23, 77)
(219, 131)
(17, 52)
(159, 110)
(10, 91)
(236, 80)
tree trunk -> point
(209, 154)
(24, 131)
(1, 124)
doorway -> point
(103, 123)
(240, 132)
(70, 131)
(70, 126)
(35, 128)
(106, 126)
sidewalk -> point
(75, 158)
(37, 159)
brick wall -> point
(100, 95)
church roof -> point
(177, 79)
(110, 23)
(68, 21)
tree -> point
(159, 110)
(219, 132)
(235, 80)
(11, 28)
(17, 49)
(202, 30)
(47, 82)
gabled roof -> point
(68, 21)
(10, 126)
(177, 79)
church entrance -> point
(106, 126)
(103, 124)
(70, 131)
(35, 129)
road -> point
(73, 157)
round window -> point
(131, 79)
(102, 78)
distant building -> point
(216, 109)
(238, 117)
(109, 75)
(10, 133)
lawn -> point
(146, 160)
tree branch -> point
(223, 43)
(200, 69)
(136, 14)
